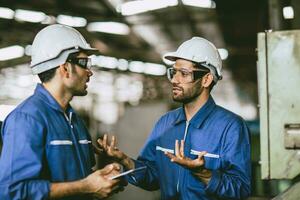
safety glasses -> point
(84, 63)
(186, 76)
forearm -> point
(59, 190)
(227, 185)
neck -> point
(192, 108)
(62, 97)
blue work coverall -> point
(219, 132)
(42, 144)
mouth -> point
(176, 89)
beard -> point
(79, 91)
(187, 95)
(184, 100)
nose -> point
(175, 78)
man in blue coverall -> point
(200, 150)
(47, 151)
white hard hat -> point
(199, 50)
(52, 46)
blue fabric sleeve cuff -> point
(214, 182)
(134, 178)
(47, 189)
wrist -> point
(203, 175)
(127, 163)
(85, 186)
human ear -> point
(207, 80)
(64, 70)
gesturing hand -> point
(112, 151)
(196, 165)
(109, 149)
(186, 162)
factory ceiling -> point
(232, 25)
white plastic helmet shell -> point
(199, 50)
(52, 46)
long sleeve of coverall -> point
(233, 180)
(22, 158)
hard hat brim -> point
(47, 65)
(171, 57)
(91, 51)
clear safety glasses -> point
(186, 76)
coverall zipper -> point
(184, 137)
(69, 119)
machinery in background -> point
(278, 69)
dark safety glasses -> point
(84, 63)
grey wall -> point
(132, 131)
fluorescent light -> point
(155, 69)
(11, 52)
(105, 62)
(123, 65)
(135, 7)
(6, 13)
(200, 3)
(71, 21)
(136, 66)
(5, 110)
(288, 12)
(223, 53)
(29, 16)
(108, 27)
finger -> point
(113, 142)
(201, 154)
(169, 155)
(105, 141)
(100, 143)
(181, 150)
(116, 166)
(107, 169)
(115, 182)
(177, 154)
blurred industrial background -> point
(129, 89)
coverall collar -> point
(201, 114)
(41, 91)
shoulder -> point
(30, 108)
(224, 115)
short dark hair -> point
(47, 75)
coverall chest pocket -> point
(60, 152)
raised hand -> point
(109, 149)
(113, 152)
(180, 159)
(196, 165)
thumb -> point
(107, 169)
